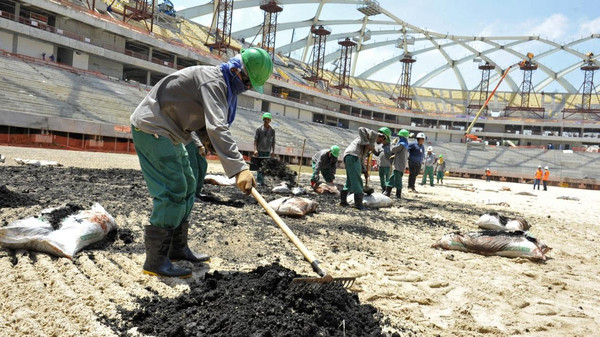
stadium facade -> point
(72, 75)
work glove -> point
(255, 154)
(313, 183)
(245, 181)
(202, 151)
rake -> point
(313, 282)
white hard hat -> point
(487, 169)
(429, 149)
(545, 167)
(539, 166)
(421, 135)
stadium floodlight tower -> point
(484, 87)
(587, 89)
(269, 29)
(527, 66)
(346, 46)
(369, 7)
(220, 27)
(320, 34)
(403, 100)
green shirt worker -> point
(201, 99)
(325, 163)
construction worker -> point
(416, 151)
(400, 153)
(537, 177)
(197, 156)
(201, 99)
(384, 164)
(440, 169)
(488, 175)
(325, 163)
(545, 177)
(354, 160)
(429, 161)
(264, 143)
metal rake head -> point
(319, 283)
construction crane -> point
(468, 135)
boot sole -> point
(199, 261)
(151, 273)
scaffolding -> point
(320, 34)
(484, 89)
(525, 90)
(587, 89)
(404, 101)
(142, 11)
(220, 28)
(346, 46)
(269, 28)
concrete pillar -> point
(175, 62)
(150, 54)
(17, 11)
(148, 78)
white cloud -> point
(554, 27)
(590, 27)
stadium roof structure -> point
(448, 60)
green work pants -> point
(353, 175)
(199, 166)
(427, 172)
(259, 176)
(169, 177)
(440, 176)
(327, 174)
(396, 180)
(384, 176)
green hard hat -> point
(403, 133)
(441, 156)
(335, 150)
(259, 66)
(267, 115)
(386, 131)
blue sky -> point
(559, 21)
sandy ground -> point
(429, 292)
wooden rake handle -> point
(288, 232)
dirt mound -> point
(9, 198)
(278, 170)
(259, 303)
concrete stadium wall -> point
(6, 40)
(105, 66)
(34, 48)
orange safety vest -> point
(546, 175)
(538, 174)
(488, 173)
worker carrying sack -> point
(68, 235)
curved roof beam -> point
(452, 65)
(562, 73)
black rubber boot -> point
(157, 241)
(358, 201)
(388, 191)
(180, 249)
(344, 198)
(399, 193)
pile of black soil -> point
(58, 214)
(10, 199)
(259, 303)
(278, 169)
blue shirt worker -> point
(325, 163)
(416, 151)
(201, 99)
(354, 160)
(429, 161)
(264, 143)
(399, 153)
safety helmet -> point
(403, 133)
(441, 156)
(267, 115)
(259, 66)
(539, 166)
(420, 135)
(386, 131)
(487, 169)
(335, 150)
(429, 149)
(545, 167)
